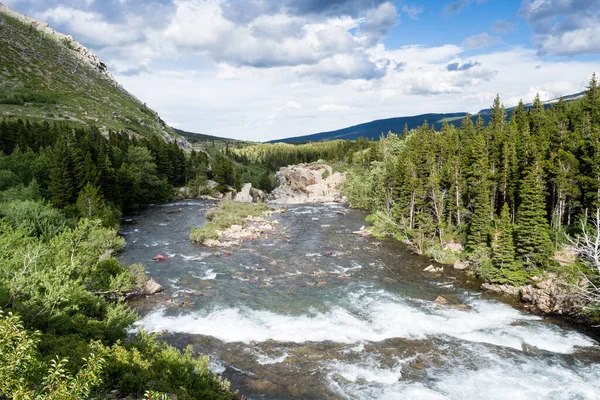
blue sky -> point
(265, 69)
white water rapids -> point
(316, 312)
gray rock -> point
(245, 194)
(151, 287)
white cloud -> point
(335, 107)
(293, 105)
(564, 27)
(245, 109)
(91, 28)
(412, 11)
(481, 41)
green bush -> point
(207, 232)
(22, 373)
(8, 179)
(35, 218)
(147, 364)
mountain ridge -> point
(374, 129)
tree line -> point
(510, 190)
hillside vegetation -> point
(45, 75)
(511, 191)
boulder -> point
(307, 183)
(441, 300)
(460, 265)
(151, 287)
(245, 194)
(432, 268)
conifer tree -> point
(479, 228)
(503, 249)
(62, 181)
(533, 240)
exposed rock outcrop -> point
(248, 194)
(308, 183)
(546, 295)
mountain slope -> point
(374, 129)
(46, 75)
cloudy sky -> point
(266, 69)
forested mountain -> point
(509, 190)
(45, 75)
(373, 130)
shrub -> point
(148, 365)
(35, 218)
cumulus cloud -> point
(340, 67)
(564, 27)
(481, 41)
(502, 26)
(377, 23)
(310, 35)
(91, 28)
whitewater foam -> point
(374, 317)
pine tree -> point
(479, 193)
(62, 181)
(503, 249)
(533, 240)
(479, 229)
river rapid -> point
(314, 311)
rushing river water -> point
(316, 312)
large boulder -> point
(308, 183)
(245, 194)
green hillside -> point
(45, 75)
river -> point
(316, 312)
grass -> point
(227, 214)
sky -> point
(268, 69)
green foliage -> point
(503, 248)
(34, 218)
(535, 167)
(90, 203)
(533, 240)
(21, 374)
(148, 365)
(207, 232)
(357, 187)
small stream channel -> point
(316, 312)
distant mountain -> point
(45, 75)
(374, 129)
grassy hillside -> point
(46, 75)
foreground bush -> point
(133, 369)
